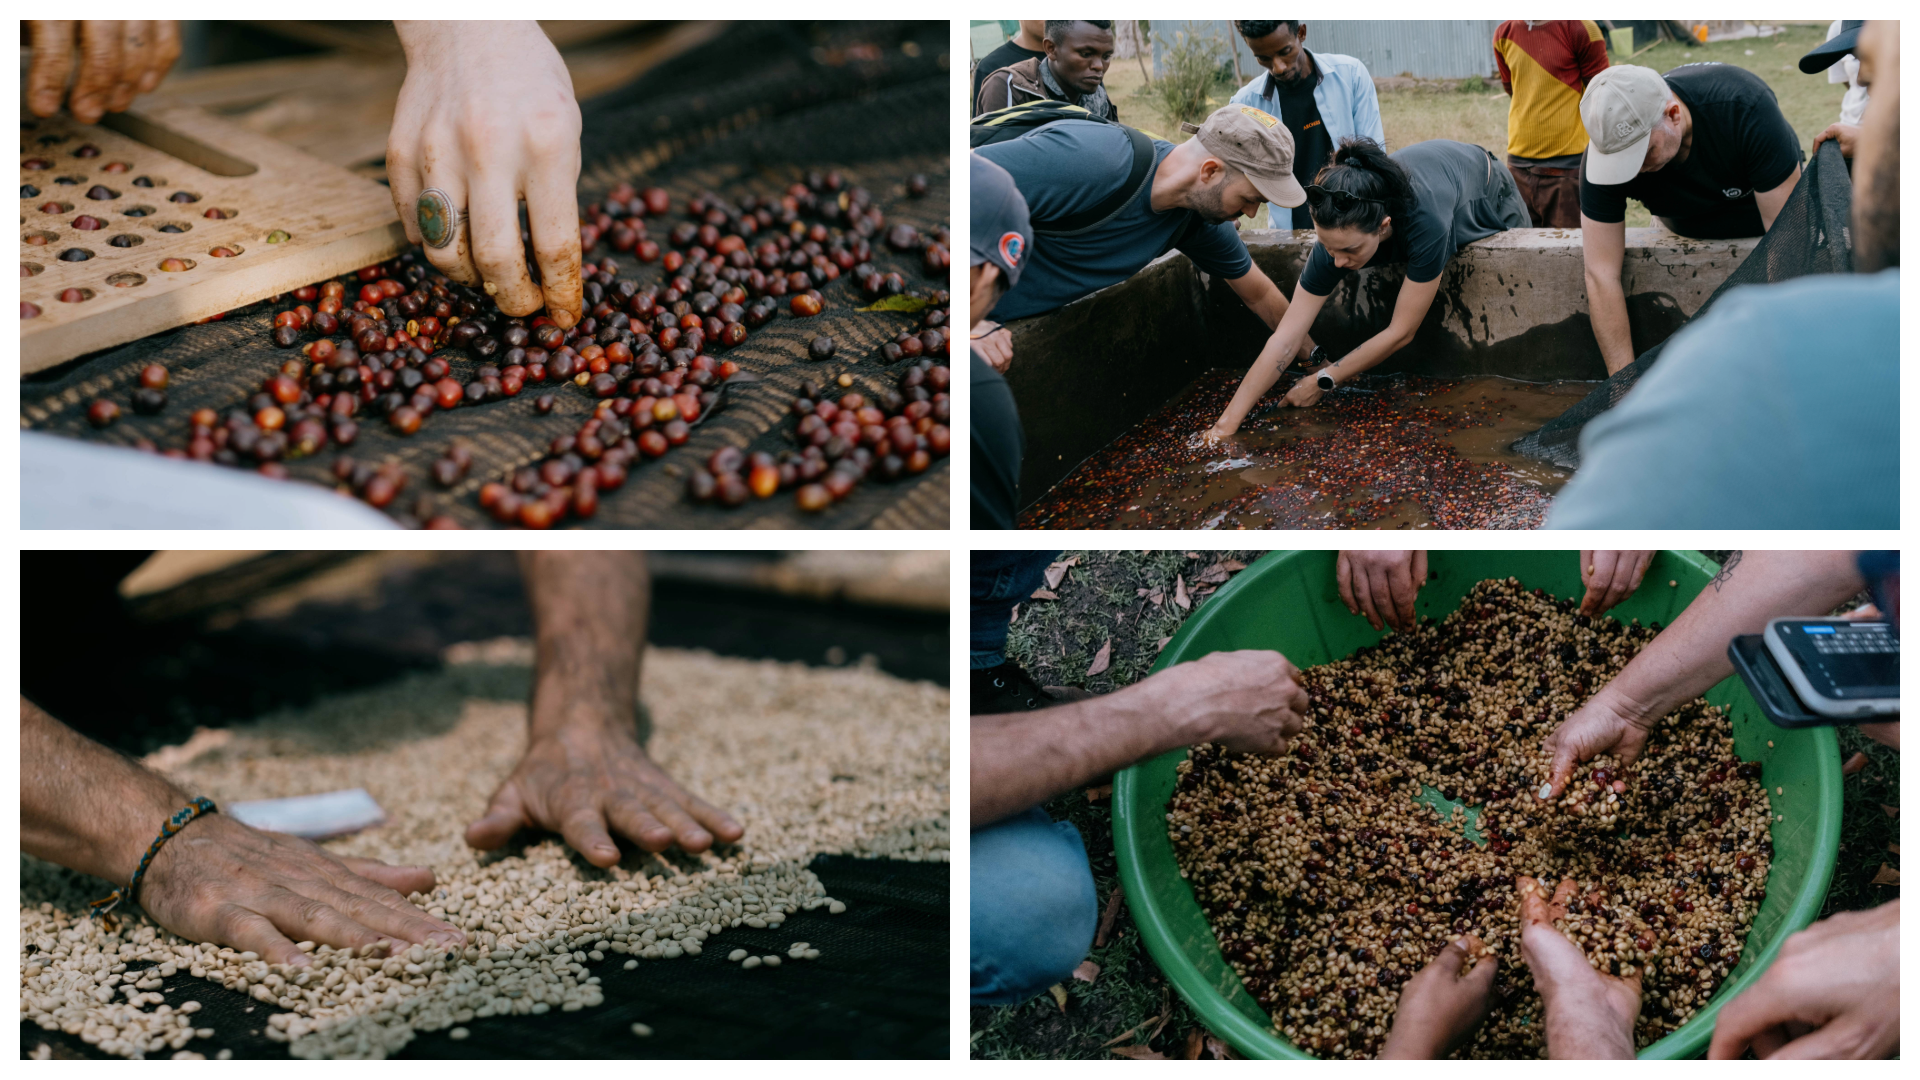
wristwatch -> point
(1325, 380)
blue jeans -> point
(1001, 580)
(1034, 910)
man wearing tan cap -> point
(1704, 147)
(1187, 197)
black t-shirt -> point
(1312, 146)
(1458, 198)
(1006, 55)
(998, 445)
(1741, 145)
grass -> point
(1417, 110)
(1057, 640)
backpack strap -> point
(1092, 218)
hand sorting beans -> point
(1328, 886)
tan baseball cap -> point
(1257, 144)
(1620, 109)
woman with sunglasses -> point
(1417, 207)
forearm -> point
(590, 627)
(1265, 299)
(1372, 351)
(1581, 1031)
(1281, 347)
(1690, 656)
(1021, 760)
(1607, 307)
(84, 806)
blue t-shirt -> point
(1778, 409)
(1070, 166)
(1460, 195)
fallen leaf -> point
(1212, 575)
(1892, 811)
(1232, 566)
(902, 302)
(1140, 1052)
(1016, 615)
(1142, 592)
(1166, 1014)
(1095, 794)
(1180, 593)
(1056, 573)
(1196, 1041)
(1193, 554)
(1157, 597)
(1112, 912)
(1854, 764)
(1127, 1034)
(1071, 560)
(1087, 971)
(1893, 849)
(1162, 645)
(1220, 1051)
(1043, 594)
(1101, 659)
(1887, 876)
(1059, 995)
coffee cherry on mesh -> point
(149, 400)
(812, 498)
(820, 348)
(804, 305)
(102, 412)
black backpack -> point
(1014, 121)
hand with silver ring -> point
(487, 118)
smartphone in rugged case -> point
(1774, 692)
(1839, 667)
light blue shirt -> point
(1778, 409)
(1345, 97)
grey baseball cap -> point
(1001, 233)
(1257, 144)
(1620, 109)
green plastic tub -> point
(1288, 601)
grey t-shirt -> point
(1458, 199)
(1073, 165)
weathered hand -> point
(1248, 700)
(487, 115)
(995, 346)
(1439, 1007)
(1598, 727)
(1610, 577)
(1844, 134)
(1305, 393)
(118, 60)
(580, 781)
(218, 880)
(1382, 585)
(1833, 992)
(1589, 1015)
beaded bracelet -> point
(172, 825)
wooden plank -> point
(336, 222)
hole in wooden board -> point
(75, 296)
(116, 166)
(138, 211)
(101, 193)
(86, 150)
(279, 236)
(191, 151)
(39, 237)
(88, 223)
(28, 269)
(149, 181)
(76, 254)
(36, 164)
(126, 240)
(29, 310)
(28, 191)
(69, 180)
(221, 213)
(56, 208)
(127, 281)
(175, 266)
(172, 226)
(226, 251)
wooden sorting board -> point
(335, 221)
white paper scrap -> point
(314, 817)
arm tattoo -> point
(1726, 571)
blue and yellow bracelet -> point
(167, 828)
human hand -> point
(1601, 726)
(1381, 585)
(1218, 433)
(1844, 134)
(1833, 992)
(1439, 1007)
(219, 880)
(1247, 700)
(1588, 1014)
(580, 780)
(1610, 577)
(487, 115)
(994, 345)
(118, 60)
(1306, 393)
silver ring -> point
(440, 221)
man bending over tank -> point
(584, 775)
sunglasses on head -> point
(1342, 200)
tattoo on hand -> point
(1726, 571)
